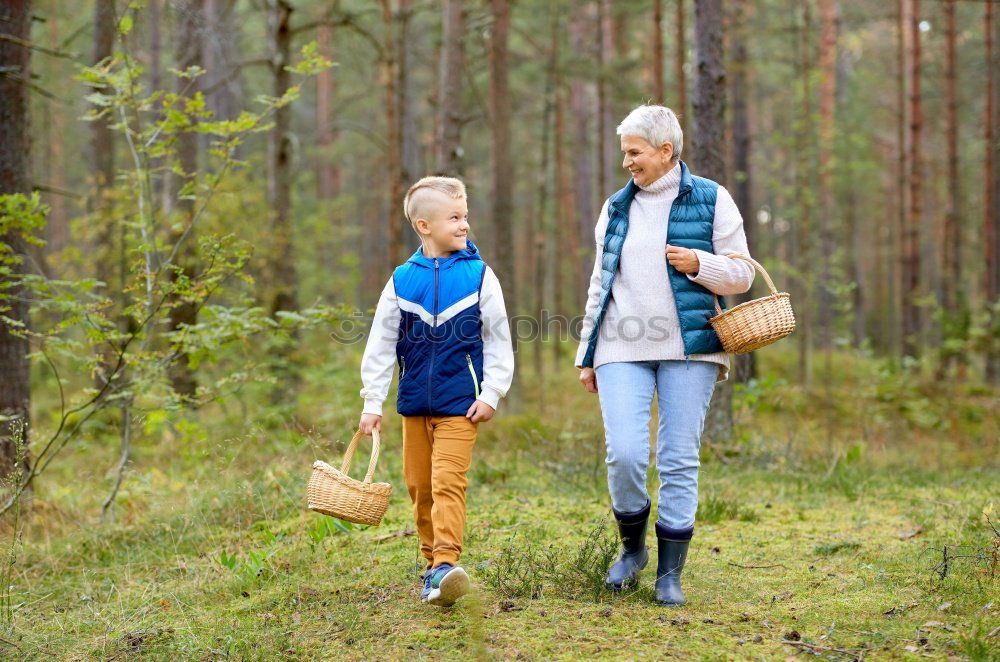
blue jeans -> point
(684, 389)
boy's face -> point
(446, 225)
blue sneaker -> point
(428, 573)
(448, 583)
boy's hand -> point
(479, 412)
(588, 377)
(370, 422)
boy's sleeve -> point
(380, 352)
(498, 353)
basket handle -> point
(756, 265)
(349, 455)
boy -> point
(441, 317)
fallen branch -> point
(398, 534)
(814, 648)
(757, 567)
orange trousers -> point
(437, 453)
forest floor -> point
(822, 531)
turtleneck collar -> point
(671, 180)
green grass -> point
(835, 542)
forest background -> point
(200, 201)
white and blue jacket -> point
(443, 322)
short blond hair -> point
(418, 198)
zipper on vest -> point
(472, 371)
(430, 366)
(402, 366)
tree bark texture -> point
(15, 159)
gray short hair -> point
(655, 124)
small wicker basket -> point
(756, 323)
(333, 492)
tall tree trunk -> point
(911, 237)
(279, 180)
(582, 112)
(565, 237)
(898, 226)
(991, 198)
(15, 160)
(827, 88)
(390, 79)
(709, 129)
(680, 41)
(503, 166)
(658, 92)
(603, 113)
(449, 150)
(188, 44)
(328, 174)
(220, 33)
(57, 228)
(952, 228)
(409, 145)
(537, 221)
(803, 247)
(102, 153)
(744, 365)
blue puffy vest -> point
(690, 223)
(440, 346)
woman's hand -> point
(588, 377)
(370, 422)
(682, 259)
(480, 412)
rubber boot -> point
(634, 556)
(671, 555)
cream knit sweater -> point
(641, 320)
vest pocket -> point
(472, 371)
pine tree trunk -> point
(680, 42)
(658, 92)
(828, 77)
(903, 201)
(390, 81)
(603, 114)
(803, 247)
(220, 36)
(582, 113)
(503, 167)
(952, 229)
(15, 160)
(102, 153)
(709, 127)
(282, 268)
(328, 174)
(911, 236)
(412, 164)
(744, 365)
(448, 143)
(57, 227)
(188, 43)
(991, 198)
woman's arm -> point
(718, 273)
(594, 289)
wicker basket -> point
(756, 323)
(333, 492)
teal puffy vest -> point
(690, 223)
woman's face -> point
(645, 162)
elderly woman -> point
(661, 245)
